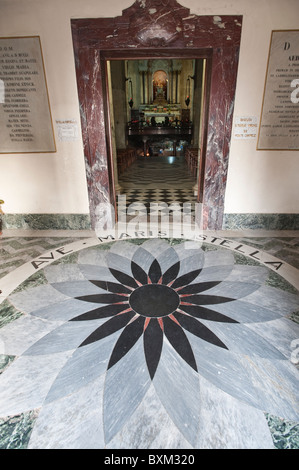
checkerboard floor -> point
(158, 180)
(158, 173)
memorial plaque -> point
(25, 117)
(279, 124)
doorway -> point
(156, 117)
(155, 30)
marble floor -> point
(157, 173)
(149, 343)
(154, 180)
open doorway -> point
(156, 123)
(147, 30)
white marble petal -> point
(73, 422)
(149, 427)
(25, 384)
(172, 376)
(126, 384)
(228, 423)
(65, 337)
(84, 366)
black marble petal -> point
(123, 278)
(206, 299)
(206, 314)
(198, 329)
(101, 312)
(108, 328)
(155, 272)
(179, 341)
(112, 287)
(185, 279)
(198, 287)
(171, 273)
(126, 341)
(138, 273)
(153, 342)
(102, 298)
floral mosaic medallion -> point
(151, 345)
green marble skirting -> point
(46, 221)
(82, 221)
(261, 221)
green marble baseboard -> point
(260, 221)
(82, 221)
(46, 221)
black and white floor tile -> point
(158, 173)
(148, 344)
(158, 185)
(163, 201)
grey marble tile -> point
(225, 370)
(218, 258)
(232, 290)
(276, 383)
(212, 273)
(144, 258)
(85, 365)
(191, 263)
(81, 405)
(36, 297)
(247, 427)
(275, 299)
(121, 402)
(66, 337)
(96, 273)
(25, 384)
(120, 263)
(248, 274)
(150, 427)
(167, 259)
(246, 312)
(77, 288)
(63, 272)
(18, 336)
(124, 248)
(62, 311)
(92, 256)
(155, 246)
(241, 340)
(171, 378)
(283, 329)
(73, 422)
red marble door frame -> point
(152, 29)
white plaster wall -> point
(258, 181)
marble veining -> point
(158, 343)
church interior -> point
(157, 113)
(149, 215)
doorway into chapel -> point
(156, 38)
(156, 108)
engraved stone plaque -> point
(279, 125)
(25, 117)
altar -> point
(143, 134)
